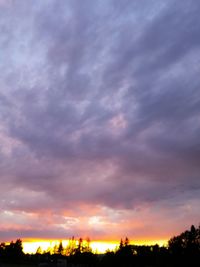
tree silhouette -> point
(39, 250)
(126, 242)
(71, 247)
(14, 251)
(121, 244)
(60, 248)
(185, 248)
(124, 255)
(87, 247)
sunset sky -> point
(99, 119)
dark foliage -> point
(11, 252)
(182, 250)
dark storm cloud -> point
(99, 105)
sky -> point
(99, 119)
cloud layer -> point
(99, 118)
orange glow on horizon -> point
(31, 246)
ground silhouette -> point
(182, 250)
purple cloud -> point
(99, 117)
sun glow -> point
(96, 246)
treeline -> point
(12, 252)
(182, 250)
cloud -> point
(99, 110)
